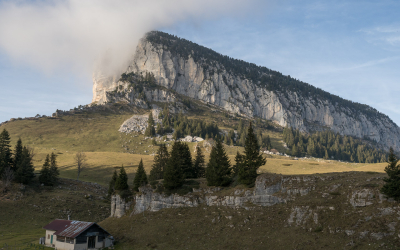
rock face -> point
(348, 205)
(264, 194)
(119, 206)
(234, 93)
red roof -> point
(68, 228)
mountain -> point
(180, 66)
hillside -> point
(325, 211)
(180, 66)
(24, 211)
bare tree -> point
(80, 161)
(32, 152)
(8, 177)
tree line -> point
(174, 167)
(330, 145)
(17, 165)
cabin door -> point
(51, 240)
(92, 242)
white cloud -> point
(75, 35)
(384, 35)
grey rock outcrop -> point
(151, 201)
(119, 206)
(236, 94)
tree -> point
(186, 161)
(140, 177)
(24, 170)
(150, 131)
(122, 180)
(218, 172)
(392, 186)
(5, 151)
(252, 159)
(80, 161)
(8, 177)
(46, 177)
(198, 165)
(160, 161)
(173, 173)
(111, 185)
(17, 154)
(53, 167)
(239, 163)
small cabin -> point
(76, 235)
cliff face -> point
(210, 82)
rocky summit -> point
(240, 87)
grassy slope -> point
(97, 135)
(25, 212)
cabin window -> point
(48, 236)
(61, 238)
(100, 238)
(69, 240)
(81, 240)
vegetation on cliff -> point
(330, 145)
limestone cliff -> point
(253, 91)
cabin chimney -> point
(69, 217)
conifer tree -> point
(392, 186)
(173, 173)
(238, 165)
(46, 177)
(5, 151)
(140, 177)
(150, 131)
(218, 171)
(198, 164)
(17, 154)
(187, 163)
(252, 159)
(326, 157)
(24, 173)
(160, 161)
(53, 167)
(111, 185)
(122, 180)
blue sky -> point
(348, 48)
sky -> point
(49, 49)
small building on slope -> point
(76, 235)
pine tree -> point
(122, 180)
(218, 171)
(160, 161)
(46, 177)
(17, 154)
(5, 151)
(173, 173)
(252, 159)
(238, 165)
(111, 185)
(140, 177)
(150, 131)
(326, 157)
(392, 186)
(24, 173)
(187, 163)
(198, 164)
(53, 167)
